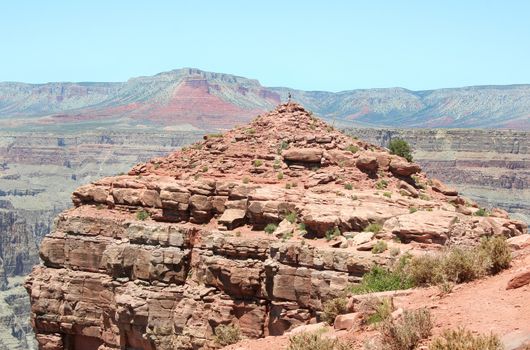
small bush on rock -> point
(379, 247)
(142, 215)
(462, 339)
(315, 341)
(381, 184)
(380, 279)
(481, 212)
(400, 148)
(332, 233)
(270, 228)
(352, 149)
(378, 309)
(332, 308)
(407, 332)
(227, 334)
(291, 217)
(498, 251)
(375, 228)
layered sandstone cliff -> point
(256, 227)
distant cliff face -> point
(490, 166)
(38, 172)
(196, 99)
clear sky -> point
(311, 45)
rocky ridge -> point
(207, 100)
(255, 227)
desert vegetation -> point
(227, 334)
(315, 341)
(453, 265)
(400, 148)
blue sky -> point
(312, 45)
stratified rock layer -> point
(256, 227)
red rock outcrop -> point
(256, 227)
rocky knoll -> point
(256, 227)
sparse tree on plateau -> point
(401, 148)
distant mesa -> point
(211, 101)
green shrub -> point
(227, 334)
(288, 186)
(246, 180)
(332, 233)
(413, 210)
(251, 131)
(204, 169)
(395, 251)
(348, 186)
(375, 228)
(142, 215)
(277, 164)
(280, 176)
(463, 265)
(378, 309)
(424, 197)
(213, 136)
(381, 184)
(283, 146)
(332, 308)
(291, 217)
(258, 162)
(387, 194)
(408, 332)
(424, 269)
(462, 339)
(315, 341)
(381, 279)
(458, 265)
(401, 148)
(379, 247)
(270, 228)
(352, 149)
(498, 251)
(481, 212)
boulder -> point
(232, 218)
(367, 164)
(519, 242)
(409, 189)
(522, 278)
(362, 237)
(284, 229)
(401, 167)
(422, 226)
(308, 328)
(303, 155)
(439, 186)
(348, 321)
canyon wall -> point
(38, 172)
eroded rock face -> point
(158, 258)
